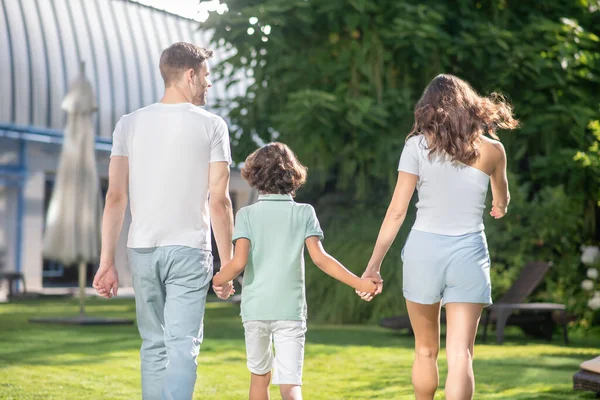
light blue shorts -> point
(453, 269)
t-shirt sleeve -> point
(241, 228)
(119, 145)
(409, 160)
(313, 228)
(219, 146)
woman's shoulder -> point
(415, 140)
(417, 143)
(492, 145)
(492, 150)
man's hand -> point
(374, 276)
(106, 281)
(225, 291)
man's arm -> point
(106, 280)
(221, 216)
(221, 213)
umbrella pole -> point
(82, 281)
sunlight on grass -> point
(342, 362)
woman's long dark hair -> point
(452, 116)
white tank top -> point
(451, 194)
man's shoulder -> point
(194, 111)
(204, 114)
(138, 112)
(126, 119)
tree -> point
(337, 79)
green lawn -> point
(342, 362)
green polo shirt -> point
(277, 227)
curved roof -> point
(42, 42)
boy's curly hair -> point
(274, 169)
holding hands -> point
(373, 277)
(223, 290)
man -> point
(169, 157)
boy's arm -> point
(334, 268)
(237, 264)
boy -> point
(270, 237)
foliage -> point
(546, 228)
(349, 237)
(589, 161)
(590, 287)
(337, 79)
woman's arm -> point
(499, 183)
(396, 213)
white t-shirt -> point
(451, 194)
(169, 149)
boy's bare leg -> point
(259, 386)
(290, 392)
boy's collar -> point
(275, 197)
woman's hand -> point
(373, 275)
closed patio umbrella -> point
(72, 234)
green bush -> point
(337, 81)
(350, 235)
(546, 227)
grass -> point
(342, 362)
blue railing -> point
(44, 135)
(16, 174)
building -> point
(41, 45)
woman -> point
(450, 162)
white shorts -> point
(288, 338)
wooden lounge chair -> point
(534, 318)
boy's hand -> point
(374, 276)
(367, 285)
